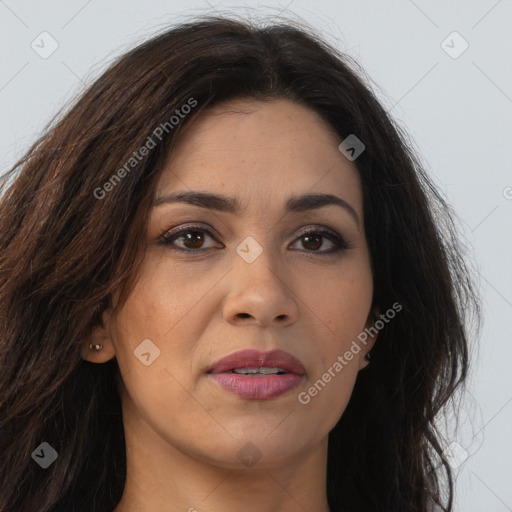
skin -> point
(183, 431)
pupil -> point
(309, 237)
(195, 238)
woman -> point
(227, 284)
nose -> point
(260, 293)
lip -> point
(255, 358)
(261, 387)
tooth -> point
(269, 371)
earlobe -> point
(365, 360)
(97, 352)
(98, 348)
(371, 337)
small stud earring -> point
(95, 347)
(367, 356)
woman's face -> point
(257, 281)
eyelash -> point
(340, 244)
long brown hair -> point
(71, 234)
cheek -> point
(161, 389)
(342, 303)
(344, 307)
(163, 297)
(342, 300)
(168, 310)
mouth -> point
(256, 375)
(258, 372)
(255, 362)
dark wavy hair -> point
(64, 252)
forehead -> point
(256, 150)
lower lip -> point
(257, 388)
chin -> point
(259, 450)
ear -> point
(371, 337)
(100, 336)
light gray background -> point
(458, 112)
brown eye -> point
(312, 240)
(192, 239)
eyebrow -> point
(221, 203)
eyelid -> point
(191, 226)
(317, 228)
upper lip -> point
(252, 358)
